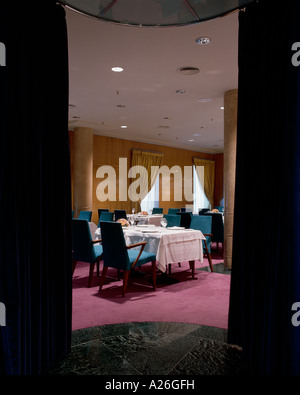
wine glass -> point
(133, 211)
(163, 222)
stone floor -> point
(151, 348)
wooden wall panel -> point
(108, 150)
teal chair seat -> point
(145, 257)
(204, 224)
(118, 255)
(84, 247)
(157, 210)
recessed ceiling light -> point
(188, 70)
(117, 69)
(121, 106)
(221, 108)
(191, 140)
(124, 127)
(197, 134)
(203, 40)
(180, 91)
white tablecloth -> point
(170, 246)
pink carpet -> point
(203, 301)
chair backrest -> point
(217, 227)
(85, 215)
(185, 219)
(203, 223)
(172, 220)
(83, 249)
(100, 210)
(173, 210)
(106, 216)
(120, 214)
(114, 247)
(203, 210)
(157, 210)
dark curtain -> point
(35, 197)
(266, 247)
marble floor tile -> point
(151, 348)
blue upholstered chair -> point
(85, 215)
(203, 210)
(173, 211)
(204, 223)
(118, 255)
(120, 214)
(172, 220)
(100, 210)
(105, 216)
(157, 210)
(84, 248)
(185, 219)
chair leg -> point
(92, 266)
(104, 272)
(125, 281)
(210, 261)
(154, 274)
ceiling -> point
(143, 96)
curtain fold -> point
(266, 242)
(151, 162)
(209, 177)
(35, 199)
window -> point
(200, 200)
(152, 199)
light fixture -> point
(203, 40)
(117, 69)
(155, 12)
(196, 134)
(191, 140)
(180, 91)
(188, 70)
(222, 108)
(123, 127)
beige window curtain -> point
(209, 177)
(151, 162)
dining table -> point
(171, 245)
(147, 219)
